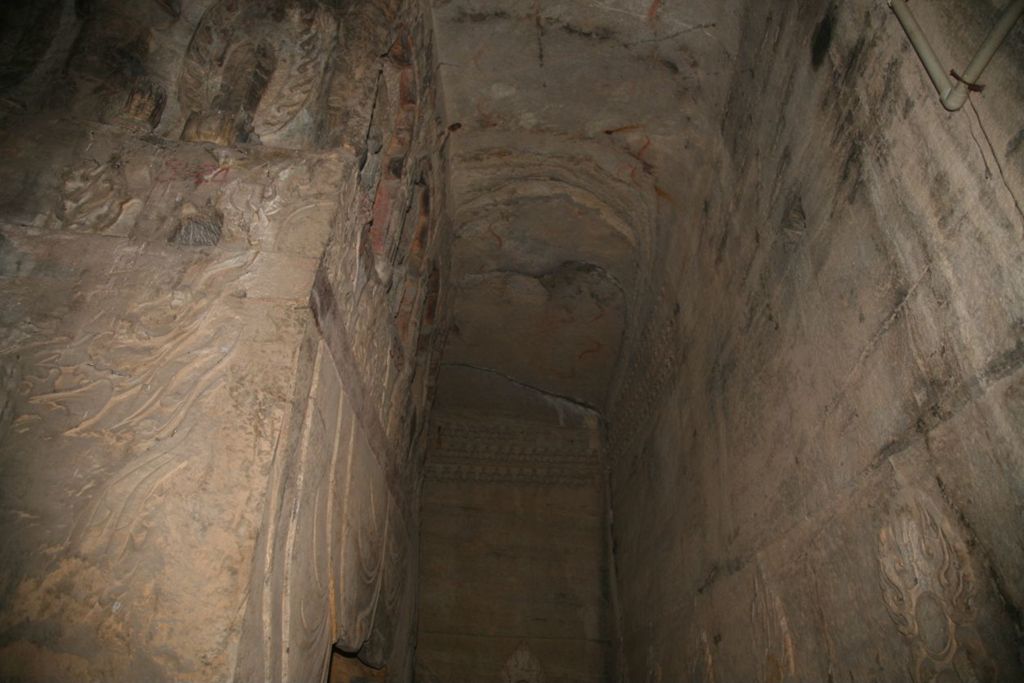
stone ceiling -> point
(571, 124)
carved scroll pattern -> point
(137, 384)
(928, 587)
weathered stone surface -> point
(198, 482)
(513, 555)
(815, 463)
(697, 325)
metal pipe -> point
(954, 96)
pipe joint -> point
(953, 95)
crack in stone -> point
(995, 158)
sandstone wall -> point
(513, 555)
(217, 266)
(818, 445)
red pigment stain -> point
(497, 237)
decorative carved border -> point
(650, 375)
(512, 452)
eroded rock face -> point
(724, 273)
(210, 432)
(816, 455)
(512, 549)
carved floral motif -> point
(928, 587)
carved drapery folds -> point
(339, 569)
(928, 587)
(252, 70)
(192, 442)
(355, 71)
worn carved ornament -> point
(928, 588)
(522, 667)
(252, 68)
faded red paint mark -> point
(595, 347)
(623, 129)
(644, 148)
(652, 11)
(485, 118)
(496, 236)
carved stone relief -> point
(522, 667)
(252, 69)
(306, 609)
(393, 593)
(95, 199)
(355, 75)
(928, 586)
(649, 377)
(361, 549)
(138, 384)
(509, 452)
(152, 378)
(198, 228)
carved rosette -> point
(928, 588)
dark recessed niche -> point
(822, 38)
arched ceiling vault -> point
(576, 130)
